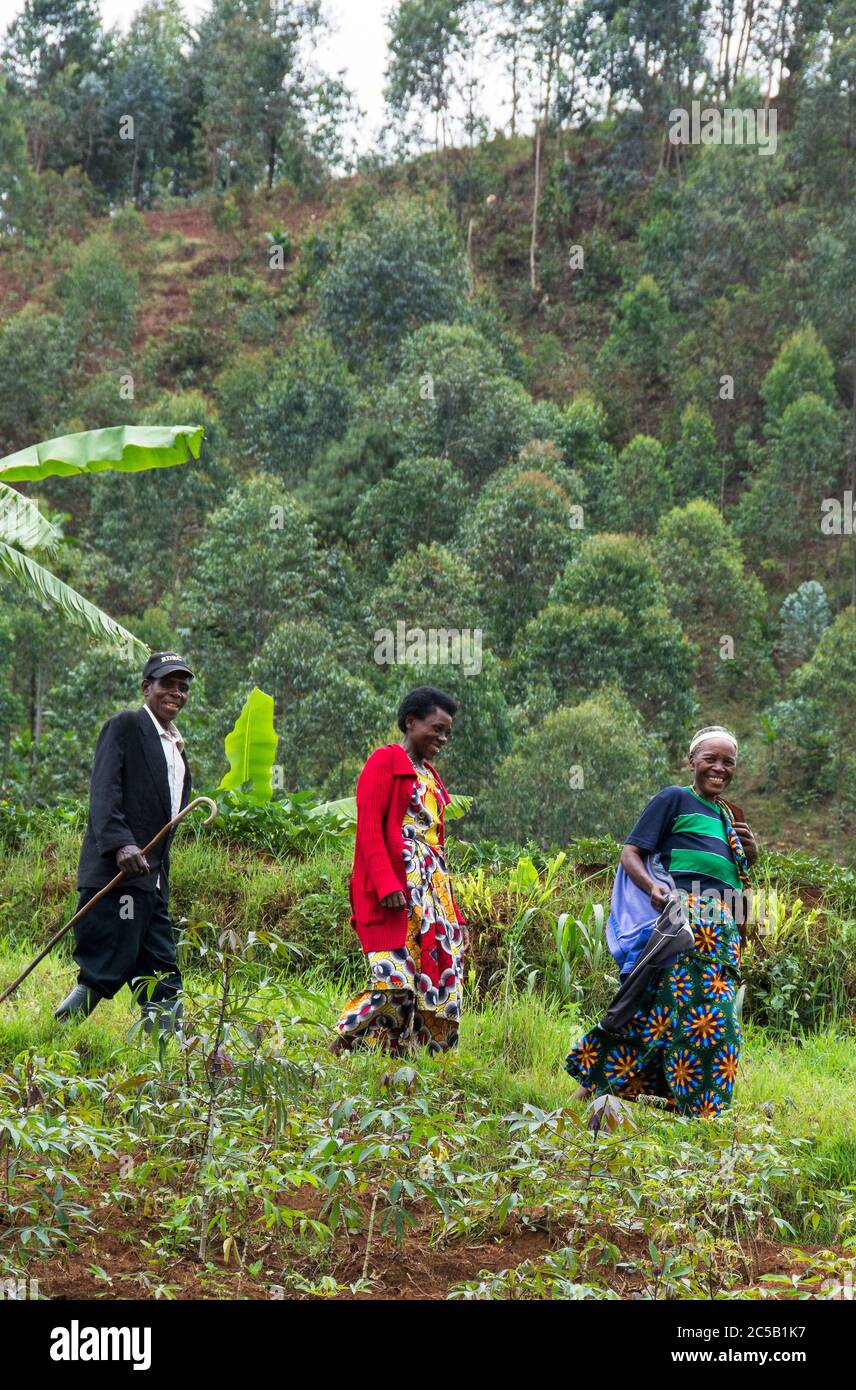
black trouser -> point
(128, 934)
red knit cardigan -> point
(384, 789)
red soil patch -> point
(417, 1269)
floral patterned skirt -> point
(402, 1009)
(683, 1044)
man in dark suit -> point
(140, 780)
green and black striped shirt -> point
(689, 835)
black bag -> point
(670, 936)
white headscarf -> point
(712, 731)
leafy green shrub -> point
(404, 268)
(585, 770)
(100, 296)
(35, 365)
(423, 497)
(306, 403)
(452, 398)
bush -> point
(422, 498)
(35, 363)
(712, 596)
(306, 404)
(803, 618)
(452, 399)
(403, 269)
(100, 297)
(519, 535)
(587, 770)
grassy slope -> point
(774, 1171)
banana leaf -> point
(123, 448)
(22, 524)
(40, 583)
(251, 748)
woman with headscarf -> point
(683, 1043)
(402, 904)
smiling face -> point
(713, 763)
(425, 737)
(167, 696)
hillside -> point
(211, 323)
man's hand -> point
(747, 840)
(132, 861)
(396, 900)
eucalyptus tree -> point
(261, 90)
(52, 50)
(146, 81)
(426, 39)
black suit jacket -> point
(129, 801)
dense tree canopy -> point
(558, 415)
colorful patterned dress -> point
(404, 1007)
(683, 1044)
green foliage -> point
(634, 359)
(611, 571)
(35, 363)
(402, 269)
(336, 485)
(708, 590)
(427, 587)
(803, 618)
(256, 562)
(809, 724)
(421, 497)
(641, 486)
(519, 535)
(327, 714)
(134, 519)
(781, 508)
(582, 649)
(695, 460)
(585, 770)
(802, 367)
(307, 403)
(100, 297)
(452, 398)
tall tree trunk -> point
(536, 198)
(271, 161)
(780, 24)
(745, 34)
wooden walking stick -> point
(197, 801)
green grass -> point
(789, 1134)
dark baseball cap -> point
(162, 663)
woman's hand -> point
(465, 939)
(747, 840)
(659, 896)
(394, 900)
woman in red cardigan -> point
(402, 905)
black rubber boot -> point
(79, 1003)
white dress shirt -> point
(172, 743)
